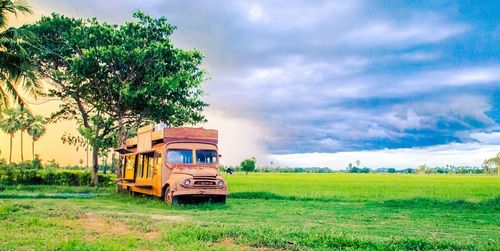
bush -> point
(248, 165)
(26, 174)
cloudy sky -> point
(323, 83)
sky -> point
(325, 83)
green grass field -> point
(265, 211)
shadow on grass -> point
(55, 189)
(273, 196)
(437, 203)
(49, 196)
(300, 239)
(152, 201)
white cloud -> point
(256, 13)
(406, 120)
(477, 75)
(419, 56)
(487, 138)
(293, 15)
(419, 30)
(467, 154)
(463, 76)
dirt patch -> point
(154, 217)
(101, 226)
(167, 217)
(152, 235)
(97, 226)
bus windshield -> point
(206, 157)
(180, 156)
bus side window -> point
(129, 166)
(138, 172)
(123, 165)
(144, 165)
(147, 160)
(158, 162)
(151, 160)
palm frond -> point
(10, 123)
(36, 127)
(16, 95)
(13, 7)
(16, 67)
(4, 99)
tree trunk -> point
(121, 142)
(33, 149)
(106, 163)
(113, 162)
(87, 155)
(22, 157)
(95, 167)
(10, 154)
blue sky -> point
(340, 76)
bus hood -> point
(198, 172)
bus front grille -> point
(204, 183)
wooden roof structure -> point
(150, 135)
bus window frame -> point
(158, 162)
(193, 156)
(205, 149)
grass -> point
(276, 211)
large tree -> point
(115, 78)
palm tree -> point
(10, 124)
(16, 70)
(25, 118)
(495, 161)
(36, 128)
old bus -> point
(172, 163)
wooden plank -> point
(179, 134)
(125, 179)
(135, 185)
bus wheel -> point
(169, 198)
(119, 189)
(220, 199)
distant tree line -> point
(33, 172)
(490, 166)
(268, 169)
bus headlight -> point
(220, 183)
(187, 183)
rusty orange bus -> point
(172, 163)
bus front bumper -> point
(200, 192)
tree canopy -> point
(114, 78)
(248, 165)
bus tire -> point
(221, 199)
(169, 198)
(119, 188)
